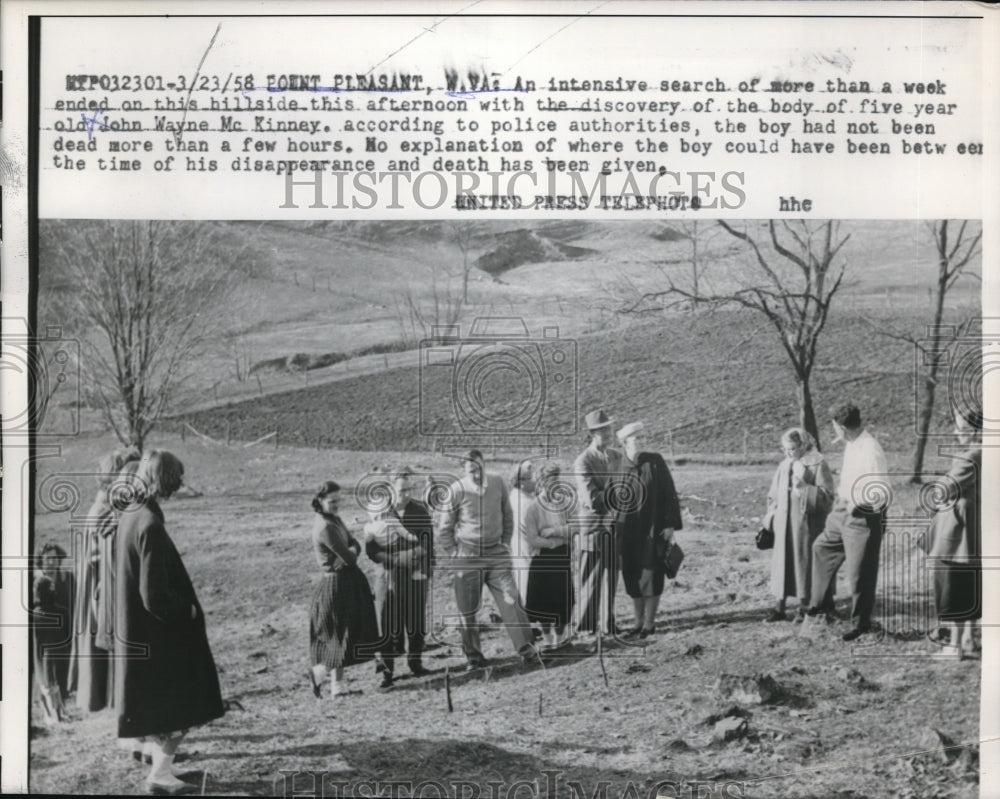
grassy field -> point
(845, 722)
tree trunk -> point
(924, 425)
(926, 416)
(807, 416)
(694, 264)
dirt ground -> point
(861, 720)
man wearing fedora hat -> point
(594, 469)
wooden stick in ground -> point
(204, 781)
(447, 689)
(600, 657)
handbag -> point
(672, 559)
(765, 538)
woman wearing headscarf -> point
(342, 626)
(165, 679)
(800, 497)
(92, 665)
(545, 528)
(956, 545)
(648, 515)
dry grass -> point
(245, 542)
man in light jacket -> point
(474, 529)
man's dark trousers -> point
(855, 537)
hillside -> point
(313, 292)
(718, 381)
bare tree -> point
(792, 278)
(463, 234)
(699, 235)
(144, 298)
(955, 251)
(434, 303)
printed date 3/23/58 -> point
(159, 83)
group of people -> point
(817, 528)
(620, 505)
(124, 628)
(133, 636)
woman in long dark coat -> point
(166, 681)
(648, 515)
(343, 629)
(60, 654)
(93, 667)
(956, 547)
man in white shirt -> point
(853, 531)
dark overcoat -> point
(165, 677)
(647, 504)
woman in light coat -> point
(956, 548)
(800, 497)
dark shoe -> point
(417, 670)
(940, 636)
(776, 615)
(633, 633)
(313, 683)
(171, 788)
(386, 681)
(532, 659)
(856, 632)
(478, 662)
(179, 757)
